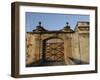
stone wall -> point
(76, 44)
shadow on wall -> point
(77, 61)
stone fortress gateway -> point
(61, 47)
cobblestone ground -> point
(56, 63)
(46, 63)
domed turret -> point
(39, 28)
(67, 28)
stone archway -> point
(53, 51)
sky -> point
(52, 21)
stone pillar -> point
(76, 46)
(37, 48)
(84, 47)
(67, 49)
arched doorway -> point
(53, 51)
